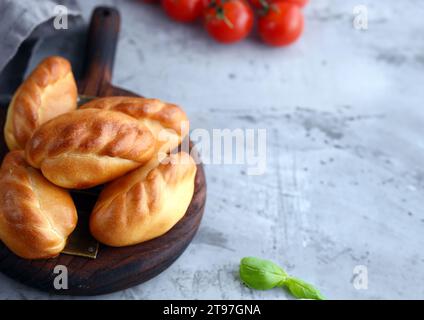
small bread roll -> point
(145, 203)
(85, 148)
(49, 91)
(167, 122)
(36, 217)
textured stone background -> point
(345, 179)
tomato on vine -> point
(264, 3)
(300, 3)
(280, 23)
(183, 10)
(228, 21)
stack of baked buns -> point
(122, 142)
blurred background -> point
(343, 109)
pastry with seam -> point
(145, 203)
(36, 216)
(85, 148)
(167, 122)
(49, 91)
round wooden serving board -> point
(115, 268)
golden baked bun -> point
(85, 148)
(168, 122)
(49, 91)
(36, 217)
(145, 203)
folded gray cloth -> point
(19, 19)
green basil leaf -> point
(261, 274)
(302, 290)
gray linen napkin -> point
(22, 19)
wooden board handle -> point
(100, 51)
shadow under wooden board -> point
(115, 268)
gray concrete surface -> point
(344, 183)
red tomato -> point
(258, 3)
(300, 3)
(229, 21)
(183, 10)
(282, 24)
(263, 3)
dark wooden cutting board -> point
(115, 268)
